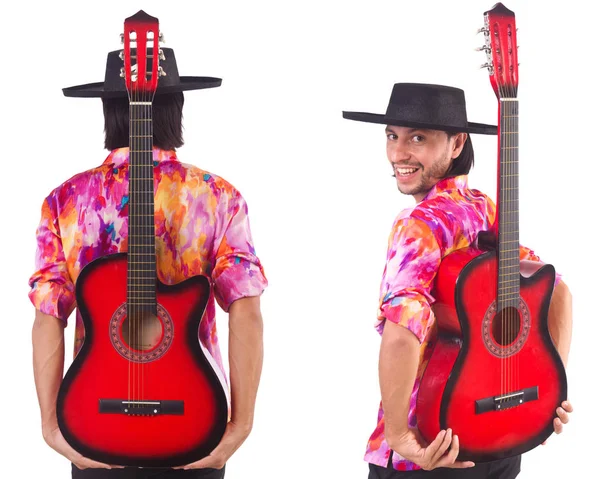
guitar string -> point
(518, 323)
(129, 272)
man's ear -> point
(458, 143)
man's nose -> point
(399, 153)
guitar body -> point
(483, 366)
(174, 369)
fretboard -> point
(507, 205)
(141, 260)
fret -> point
(510, 281)
(504, 294)
(506, 288)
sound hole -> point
(506, 326)
(143, 332)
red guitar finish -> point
(141, 392)
(495, 376)
(182, 373)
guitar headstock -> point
(501, 49)
(141, 56)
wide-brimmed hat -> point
(114, 86)
(422, 105)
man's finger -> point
(567, 406)
(563, 415)
(435, 445)
(85, 463)
(462, 465)
(443, 447)
(449, 459)
(558, 427)
(208, 461)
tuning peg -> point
(122, 74)
(161, 38)
(161, 72)
(161, 55)
(489, 66)
(484, 48)
(122, 38)
(484, 30)
(122, 54)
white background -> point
(321, 197)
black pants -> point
(503, 469)
(146, 473)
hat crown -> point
(428, 104)
(114, 82)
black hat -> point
(420, 105)
(114, 86)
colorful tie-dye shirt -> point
(447, 219)
(201, 224)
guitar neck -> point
(141, 290)
(507, 204)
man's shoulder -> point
(217, 184)
(79, 181)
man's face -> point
(420, 158)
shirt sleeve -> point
(413, 259)
(238, 272)
(529, 255)
(52, 290)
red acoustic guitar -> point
(141, 392)
(495, 376)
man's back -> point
(201, 226)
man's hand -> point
(233, 438)
(563, 417)
(56, 441)
(413, 447)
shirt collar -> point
(121, 155)
(447, 185)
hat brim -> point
(479, 128)
(96, 90)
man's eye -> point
(418, 138)
(391, 136)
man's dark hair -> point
(463, 163)
(166, 119)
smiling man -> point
(430, 152)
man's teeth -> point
(406, 171)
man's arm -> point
(245, 359)
(48, 363)
(245, 366)
(560, 320)
(398, 363)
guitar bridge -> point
(506, 401)
(140, 408)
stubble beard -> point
(428, 178)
